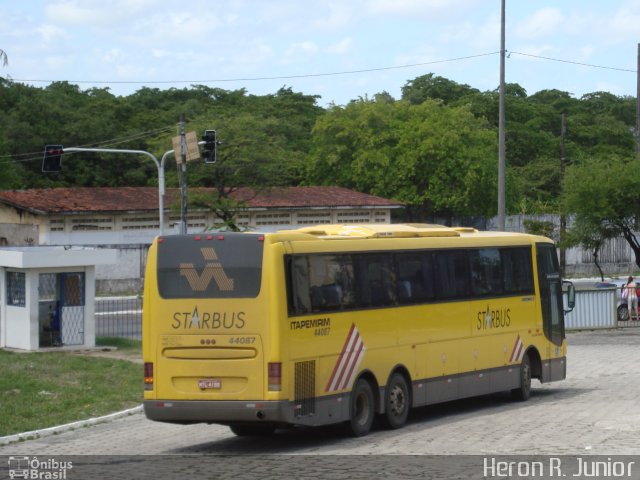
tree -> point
(602, 194)
(255, 153)
(435, 158)
(427, 86)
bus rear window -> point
(210, 266)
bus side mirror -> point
(571, 296)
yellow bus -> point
(337, 323)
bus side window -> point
(414, 277)
(451, 274)
(486, 272)
(331, 282)
(376, 280)
(517, 270)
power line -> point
(573, 63)
(322, 74)
(33, 156)
(281, 77)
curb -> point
(45, 432)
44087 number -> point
(242, 340)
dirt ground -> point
(112, 352)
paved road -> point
(595, 411)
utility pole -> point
(563, 218)
(501, 133)
(638, 104)
(183, 176)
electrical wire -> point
(323, 74)
(573, 63)
(33, 156)
(256, 79)
(121, 140)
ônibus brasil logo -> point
(31, 468)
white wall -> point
(21, 323)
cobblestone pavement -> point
(595, 411)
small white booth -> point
(47, 296)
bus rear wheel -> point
(523, 392)
(396, 401)
(247, 430)
(362, 409)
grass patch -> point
(39, 390)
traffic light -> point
(210, 146)
(52, 161)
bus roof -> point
(397, 230)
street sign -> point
(193, 151)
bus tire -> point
(250, 430)
(397, 401)
(523, 392)
(361, 409)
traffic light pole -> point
(159, 165)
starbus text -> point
(208, 320)
(493, 318)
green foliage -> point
(429, 86)
(425, 155)
(435, 149)
(602, 193)
(539, 227)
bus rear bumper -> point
(198, 411)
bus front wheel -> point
(362, 409)
(396, 401)
(524, 391)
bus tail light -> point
(275, 376)
(148, 376)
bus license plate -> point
(209, 384)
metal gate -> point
(61, 308)
(72, 301)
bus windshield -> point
(210, 266)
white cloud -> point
(625, 21)
(541, 24)
(304, 48)
(114, 55)
(339, 16)
(432, 9)
(586, 52)
(160, 53)
(95, 13)
(51, 33)
(342, 47)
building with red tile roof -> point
(125, 215)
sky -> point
(340, 50)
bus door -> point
(550, 285)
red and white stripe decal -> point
(518, 350)
(348, 361)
